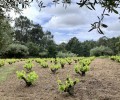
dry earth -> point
(102, 82)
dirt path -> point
(102, 82)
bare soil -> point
(102, 82)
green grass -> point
(5, 71)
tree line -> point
(27, 39)
(107, 46)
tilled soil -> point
(102, 82)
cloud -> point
(65, 21)
(71, 22)
(115, 26)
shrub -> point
(43, 54)
(66, 54)
(85, 61)
(29, 78)
(82, 67)
(55, 67)
(38, 61)
(56, 61)
(115, 58)
(28, 66)
(68, 86)
(2, 63)
(16, 50)
(75, 60)
(101, 51)
(69, 61)
(44, 64)
(10, 61)
(63, 62)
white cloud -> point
(115, 26)
(65, 21)
(70, 22)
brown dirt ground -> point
(102, 82)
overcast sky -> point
(71, 22)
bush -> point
(29, 78)
(43, 54)
(69, 60)
(55, 67)
(81, 69)
(28, 66)
(66, 54)
(101, 51)
(44, 64)
(115, 58)
(2, 63)
(68, 86)
(11, 61)
(16, 50)
(63, 62)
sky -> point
(71, 22)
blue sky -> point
(71, 22)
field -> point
(101, 82)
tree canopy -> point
(6, 32)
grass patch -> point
(5, 71)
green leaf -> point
(91, 29)
(115, 11)
(100, 31)
(89, 8)
(92, 6)
(107, 14)
(104, 25)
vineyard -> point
(72, 78)
(59, 50)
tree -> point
(33, 49)
(47, 40)
(101, 51)
(52, 52)
(33, 36)
(83, 48)
(22, 27)
(103, 41)
(86, 46)
(73, 45)
(118, 46)
(5, 34)
(36, 34)
(112, 44)
(62, 47)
